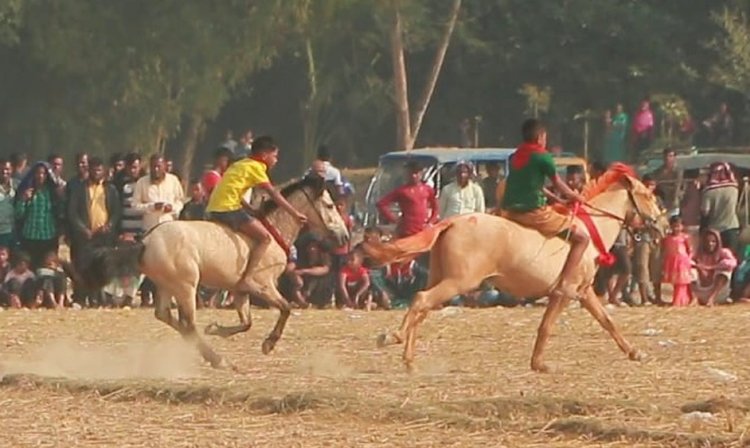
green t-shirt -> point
(523, 187)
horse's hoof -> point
(410, 368)
(382, 340)
(636, 355)
(218, 363)
(268, 346)
(211, 329)
(540, 367)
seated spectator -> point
(195, 208)
(50, 280)
(19, 282)
(714, 265)
(340, 254)
(354, 283)
(378, 286)
(4, 269)
(312, 283)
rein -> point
(606, 258)
(277, 236)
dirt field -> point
(120, 378)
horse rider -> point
(227, 206)
(525, 203)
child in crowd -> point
(378, 287)
(51, 285)
(340, 254)
(19, 282)
(678, 263)
(195, 208)
(354, 282)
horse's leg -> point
(242, 306)
(184, 295)
(434, 277)
(594, 306)
(424, 302)
(556, 304)
(162, 309)
(273, 297)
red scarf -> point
(605, 258)
(521, 157)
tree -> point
(408, 124)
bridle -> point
(649, 222)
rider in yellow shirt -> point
(227, 206)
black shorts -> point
(234, 219)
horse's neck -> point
(285, 224)
(616, 203)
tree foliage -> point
(109, 76)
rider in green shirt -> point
(525, 201)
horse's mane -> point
(614, 174)
(291, 187)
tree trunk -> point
(437, 65)
(310, 109)
(401, 96)
(190, 144)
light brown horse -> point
(179, 255)
(469, 249)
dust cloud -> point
(140, 360)
(324, 363)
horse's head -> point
(645, 207)
(322, 217)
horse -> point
(178, 255)
(468, 249)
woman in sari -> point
(614, 140)
(714, 265)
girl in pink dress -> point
(678, 262)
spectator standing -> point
(616, 126)
(416, 201)
(332, 175)
(677, 263)
(82, 174)
(7, 212)
(222, 157)
(94, 213)
(116, 165)
(463, 195)
(229, 142)
(131, 224)
(160, 196)
(643, 128)
(646, 255)
(690, 207)
(668, 179)
(489, 186)
(195, 208)
(245, 144)
(719, 204)
(721, 126)
(20, 164)
(57, 165)
(36, 208)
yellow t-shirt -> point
(237, 180)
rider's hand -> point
(578, 198)
(301, 218)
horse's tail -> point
(100, 266)
(406, 249)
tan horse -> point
(179, 255)
(469, 249)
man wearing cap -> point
(415, 199)
(462, 195)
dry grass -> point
(95, 378)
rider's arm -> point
(568, 192)
(279, 198)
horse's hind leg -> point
(242, 305)
(185, 297)
(555, 306)
(594, 306)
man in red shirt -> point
(211, 178)
(415, 199)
